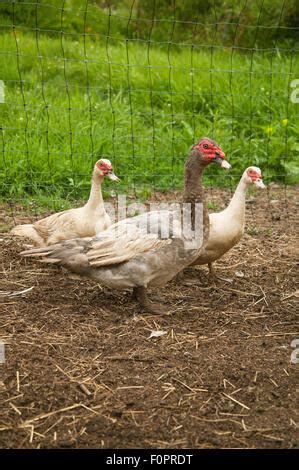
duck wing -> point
(121, 242)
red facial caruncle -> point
(254, 175)
(104, 167)
(209, 149)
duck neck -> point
(95, 196)
(193, 190)
(237, 203)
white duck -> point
(133, 253)
(227, 226)
(83, 221)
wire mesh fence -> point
(139, 82)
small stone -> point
(157, 334)
(239, 274)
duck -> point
(135, 252)
(80, 222)
(227, 227)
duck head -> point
(211, 152)
(103, 167)
(253, 175)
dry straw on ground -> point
(81, 371)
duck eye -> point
(205, 146)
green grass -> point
(143, 118)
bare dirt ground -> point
(81, 371)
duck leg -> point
(180, 276)
(139, 294)
(213, 275)
(212, 272)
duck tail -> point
(27, 231)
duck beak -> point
(223, 163)
(112, 176)
(259, 184)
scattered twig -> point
(236, 401)
(13, 294)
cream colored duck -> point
(83, 221)
(227, 226)
(133, 253)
